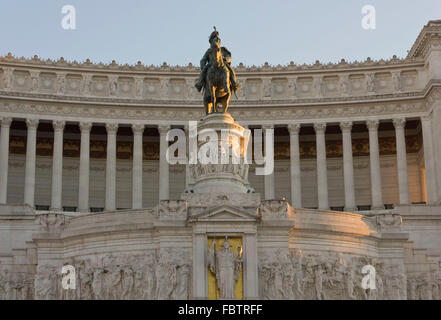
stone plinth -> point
(221, 148)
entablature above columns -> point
(181, 116)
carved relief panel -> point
(73, 84)
(48, 82)
(383, 82)
(126, 87)
(20, 81)
(304, 87)
(409, 80)
(177, 89)
(254, 89)
(99, 86)
(358, 84)
(279, 88)
(151, 88)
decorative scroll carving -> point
(172, 210)
(51, 222)
(388, 222)
(275, 210)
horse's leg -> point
(227, 101)
(227, 82)
(213, 99)
(207, 106)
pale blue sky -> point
(255, 31)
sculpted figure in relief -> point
(292, 88)
(166, 280)
(225, 265)
(61, 78)
(97, 283)
(45, 283)
(113, 84)
(344, 85)
(370, 83)
(396, 80)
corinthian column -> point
(188, 177)
(110, 204)
(296, 184)
(83, 191)
(270, 192)
(429, 159)
(4, 158)
(164, 193)
(403, 184)
(322, 174)
(348, 167)
(138, 130)
(57, 165)
(374, 156)
(31, 146)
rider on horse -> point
(207, 61)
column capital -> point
(163, 128)
(138, 128)
(426, 117)
(58, 125)
(32, 123)
(85, 126)
(267, 126)
(6, 121)
(320, 127)
(112, 127)
(294, 128)
(346, 126)
(372, 124)
(399, 123)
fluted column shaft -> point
(270, 191)
(296, 184)
(429, 160)
(374, 156)
(138, 130)
(164, 188)
(188, 179)
(57, 165)
(84, 179)
(348, 165)
(403, 184)
(4, 158)
(322, 174)
(110, 204)
(31, 148)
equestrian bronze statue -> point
(217, 77)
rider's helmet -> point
(213, 35)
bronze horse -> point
(217, 83)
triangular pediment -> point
(225, 213)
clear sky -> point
(255, 31)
